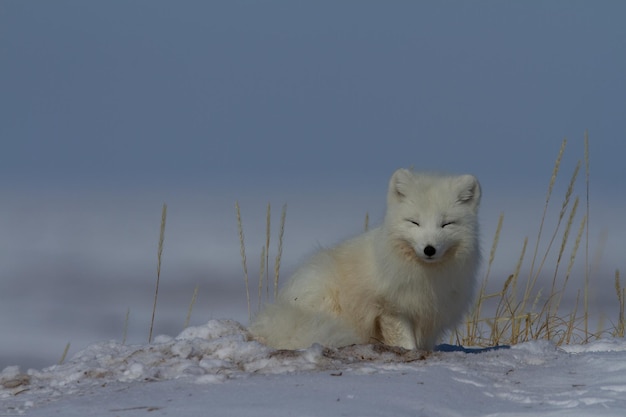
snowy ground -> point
(216, 369)
(71, 270)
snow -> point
(217, 368)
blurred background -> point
(109, 109)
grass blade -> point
(242, 251)
(159, 256)
(279, 254)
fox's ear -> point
(469, 190)
(399, 183)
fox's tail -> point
(285, 326)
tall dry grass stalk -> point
(555, 172)
(279, 253)
(564, 241)
(242, 252)
(586, 289)
(621, 294)
(268, 229)
(366, 225)
(159, 255)
(533, 278)
(194, 297)
(570, 265)
(536, 273)
(264, 277)
(472, 324)
(262, 274)
(64, 354)
(511, 306)
(126, 321)
(533, 315)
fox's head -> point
(430, 217)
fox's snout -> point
(430, 251)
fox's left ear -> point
(469, 190)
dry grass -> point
(621, 294)
(264, 269)
(64, 355)
(522, 310)
(537, 314)
(126, 321)
(159, 255)
(268, 233)
(279, 252)
(194, 297)
(519, 311)
(242, 251)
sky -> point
(126, 94)
(108, 109)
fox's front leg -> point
(397, 330)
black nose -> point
(429, 251)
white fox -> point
(404, 283)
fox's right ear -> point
(399, 183)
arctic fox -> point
(404, 283)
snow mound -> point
(529, 377)
(212, 353)
(600, 345)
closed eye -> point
(447, 224)
(413, 221)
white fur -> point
(404, 283)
